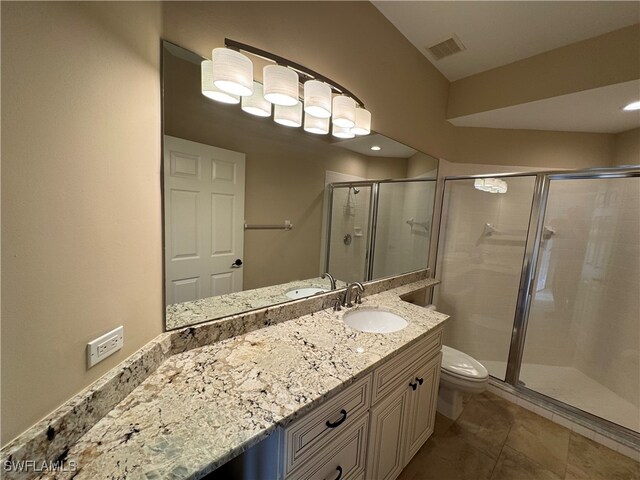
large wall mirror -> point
(255, 212)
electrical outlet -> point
(104, 346)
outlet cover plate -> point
(104, 346)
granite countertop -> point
(179, 315)
(203, 407)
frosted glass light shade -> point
(344, 111)
(491, 185)
(363, 122)
(280, 85)
(316, 125)
(209, 90)
(317, 99)
(342, 132)
(288, 116)
(232, 72)
(478, 183)
(256, 104)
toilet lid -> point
(460, 364)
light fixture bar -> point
(304, 72)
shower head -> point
(355, 190)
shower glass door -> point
(349, 226)
(582, 344)
(403, 227)
(481, 248)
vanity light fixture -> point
(342, 132)
(289, 116)
(317, 99)
(363, 122)
(209, 90)
(229, 76)
(344, 111)
(376, 148)
(319, 126)
(256, 104)
(632, 106)
(280, 85)
(232, 72)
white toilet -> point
(459, 373)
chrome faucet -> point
(348, 293)
(331, 279)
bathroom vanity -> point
(372, 429)
(290, 389)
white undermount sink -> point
(304, 292)
(374, 321)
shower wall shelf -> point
(413, 223)
(490, 229)
(287, 225)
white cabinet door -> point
(422, 409)
(387, 436)
(204, 219)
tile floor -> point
(495, 439)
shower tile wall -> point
(480, 269)
(350, 216)
(584, 319)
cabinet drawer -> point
(345, 458)
(309, 434)
(390, 376)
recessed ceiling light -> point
(632, 106)
(375, 148)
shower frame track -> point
(511, 382)
(373, 217)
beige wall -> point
(533, 148)
(608, 59)
(627, 148)
(80, 195)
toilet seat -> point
(461, 366)
(459, 373)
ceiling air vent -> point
(446, 48)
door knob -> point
(237, 263)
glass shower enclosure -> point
(379, 228)
(542, 282)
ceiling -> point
(497, 33)
(502, 32)
(596, 110)
(388, 148)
